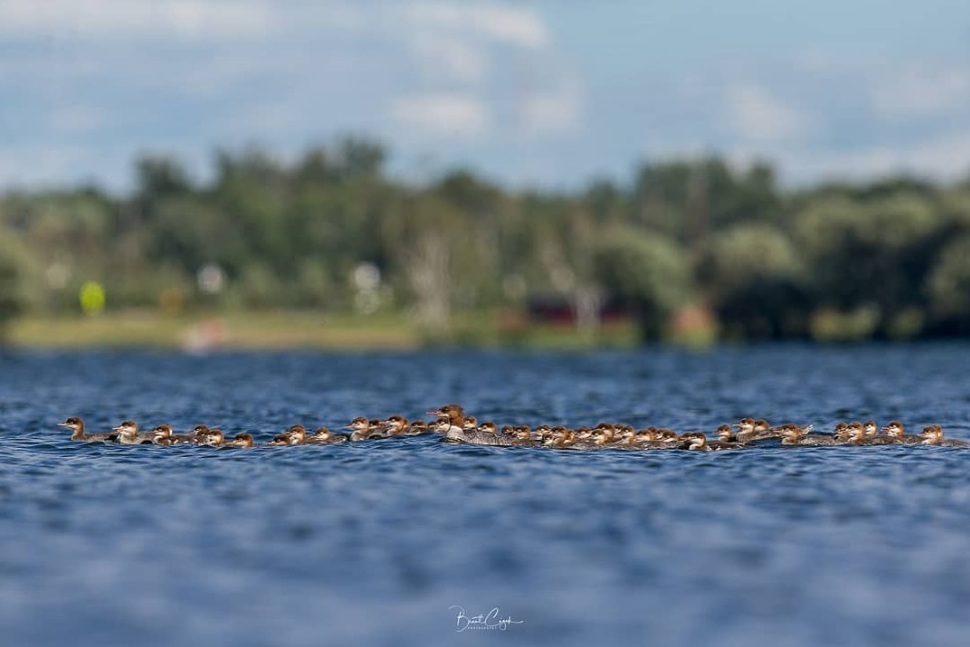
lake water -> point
(378, 543)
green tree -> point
(649, 273)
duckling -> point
(896, 431)
(214, 438)
(322, 436)
(695, 441)
(240, 441)
(76, 425)
(933, 435)
(128, 434)
(363, 429)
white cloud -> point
(442, 114)
(756, 114)
(501, 23)
(916, 92)
(76, 119)
(450, 58)
(553, 112)
(135, 19)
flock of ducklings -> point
(456, 426)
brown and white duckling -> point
(294, 435)
(396, 426)
(163, 435)
(418, 428)
(561, 438)
(213, 438)
(933, 435)
(76, 425)
(323, 436)
(668, 437)
(896, 431)
(240, 441)
(362, 429)
(792, 434)
(128, 434)
(695, 441)
(522, 436)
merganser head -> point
(562, 437)
(598, 436)
(647, 435)
(76, 425)
(214, 438)
(667, 435)
(360, 423)
(322, 433)
(523, 433)
(199, 431)
(608, 429)
(488, 427)
(441, 425)
(871, 428)
(296, 434)
(543, 432)
(894, 429)
(761, 426)
(127, 429)
(583, 433)
(725, 433)
(161, 434)
(932, 435)
(842, 432)
(694, 439)
(791, 433)
(243, 441)
(419, 425)
(856, 432)
(453, 412)
(396, 425)
(471, 422)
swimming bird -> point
(323, 436)
(896, 431)
(792, 434)
(76, 425)
(241, 441)
(364, 429)
(128, 434)
(933, 435)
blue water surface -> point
(380, 543)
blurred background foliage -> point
(334, 231)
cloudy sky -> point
(549, 92)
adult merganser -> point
(76, 425)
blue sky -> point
(547, 92)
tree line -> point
(335, 230)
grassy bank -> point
(283, 330)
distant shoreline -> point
(283, 330)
